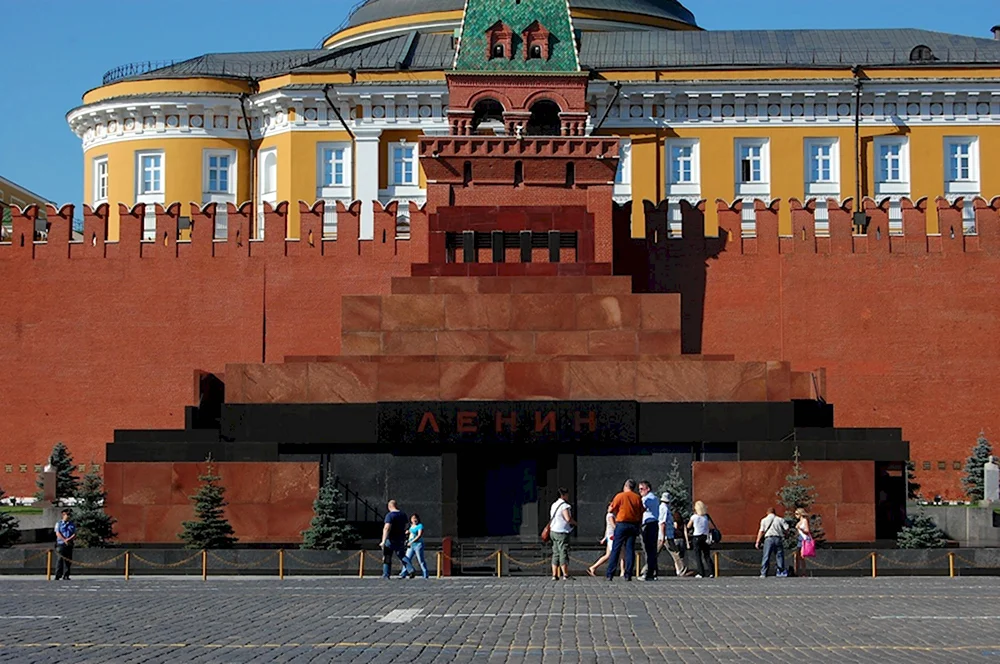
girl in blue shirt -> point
(415, 547)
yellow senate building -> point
(701, 115)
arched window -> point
(487, 110)
(535, 51)
(570, 174)
(467, 173)
(544, 120)
(518, 173)
(498, 51)
(269, 174)
(922, 54)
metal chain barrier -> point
(738, 562)
(812, 562)
(337, 565)
(923, 565)
(543, 561)
(93, 565)
(179, 563)
(214, 556)
(970, 563)
(40, 554)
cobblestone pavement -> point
(299, 619)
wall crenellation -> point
(197, 239)
(838, 236)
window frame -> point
(263, 193)
(674, 185)
(158, 194)
(623, 175)
(333, 190)
(98, 162)
(972, 184)
(892, 187)
(761, 187)
(814, 187)
(213, 195)
(413, 160)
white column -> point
(366, 169)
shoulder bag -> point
(714, 534)
(547, 530)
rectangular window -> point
(100, 180)
(892, 166)
(961, 165)
(403, 165)
(333, 167)
(623, 176)
(822, 165)
(752, 167)
(219, 169)
(333, 171)
(150, 173)
(683, 167)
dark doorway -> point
(504, 492)
(487, 110)
(544, 120)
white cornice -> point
(423, 108)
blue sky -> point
(55, 50)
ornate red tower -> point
(518, 182)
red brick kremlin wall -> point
(96, 336)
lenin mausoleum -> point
(466, 252)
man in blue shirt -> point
(65, 536)
(394, 534)
(650, 528)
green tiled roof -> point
(481, 15)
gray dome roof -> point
(377, 10)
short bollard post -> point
(874, 570)
(637, 568)
(48, 566)
(498, 563)
(126, 565)
(951, 564)
(204, 565)
(440, 559)
(361, 564)
(715, 559)
(281, 564)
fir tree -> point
(9, 534)
(912, 486)
(211, 530)
(797, 493)
(67, 483)
(95, 528)
(973, 480)
(680, 498)
(920, 532)
(328, 529)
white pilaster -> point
(366, 151)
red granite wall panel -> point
(268, 502)
(738, 494)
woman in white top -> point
(609, 538)
(700, 524)
(804, 533)
(561, 524)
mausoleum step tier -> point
(514, 338)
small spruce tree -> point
(920, 532)
(973, 480)
(797, 493)
(680, 497)
(329, 529)
(9, 534)
(95, 528)
(912, 486)
(211, 530)
(67, 482)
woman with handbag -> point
(560, 526)
(702, 528)
(807, 545)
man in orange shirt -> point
(627, 511)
